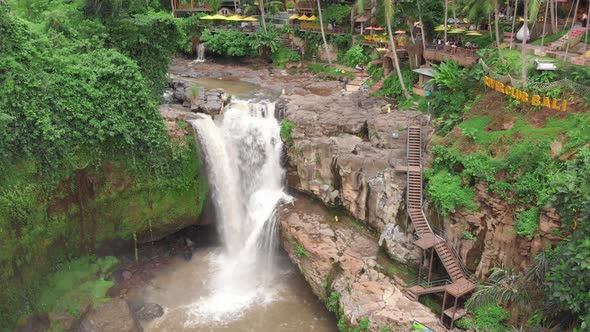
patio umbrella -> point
(214, 17)
(455, 31)
(250, 19)
(294, 17)
(399, 32)
(312, 18)
(303, 17)
(473, 33)
(378, 29)
(235, 18)
(370, 28)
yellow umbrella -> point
(234, 18)
(214, 17)
(457, 31)
(303, 17)
(312, 18)
(473, 33)
(250, 19)
(206, 17)
(294, 17)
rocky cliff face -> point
(339, 261)
(345, 150)
(494, 240)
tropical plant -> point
(265, 42)
(449, 75)
(356, 55)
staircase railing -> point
(426, 284)
(468, 274)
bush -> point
(488, 318)
(527, 222)
(447, 193)
(228, 42)
(449, 75)
(150, 40)
(284, 55)
(392, 87)
(338, 14)
(355, 56)
(286, 128)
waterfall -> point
(242, 152)
(200, 53)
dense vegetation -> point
(84, 152)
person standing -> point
(584, 20)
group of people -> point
(454, 43)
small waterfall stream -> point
(200, 53)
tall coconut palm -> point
(421, 24)
(323, 33)
(514, 23)
(388, 6)
(523, 45)
(477, 8)
(446, 18)
(261, 5)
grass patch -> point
(527, 222)
(550, 38)
(300, 251)
(286, 129)
(328, 71)
(75, 284)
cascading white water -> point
(200, 53)
(243, 152)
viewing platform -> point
(463, 56)
(192, 7)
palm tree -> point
(388, 6)
(323, 33)
(421, 25)
(523, 45)
(261, 5)
(475, 9)
(446, 18)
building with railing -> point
(465, 57)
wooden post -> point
(442, 312)
(431, 259)
(454, 312)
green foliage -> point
(150, 40)
(284, 55)
(75, 284)
(83, 149)
(338, 14)
(465, 235)
(265, 43)
(392, 87)
(447, 192)
(119, 8)
(527, 222)
(329, 72)
(449, 75)
(286, 128)
(550, 38)
(431, 304)
(300, 251)
(228, 42)
(333, 303)
(489, 318)
(355, 56)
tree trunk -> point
(261, 4)
(421, 26)
(545, 24)
(373, 12)
(352, 25)
(574, 18)
(323, 33)
(446, 18)
(553, 16)
(497, 23)
(395, 59)
(171, 6)
(523, 45)
(586, 35)
(513, 23)
(455, 13)
(235, 6)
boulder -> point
(149, 311)
(113, 316)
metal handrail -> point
(468, 274)
(426, 284)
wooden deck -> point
(192, 7)
(464, 57)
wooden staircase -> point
(459, 283)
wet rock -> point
(342, 259)
(127, 275)
(113, 316)
(149, 311)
